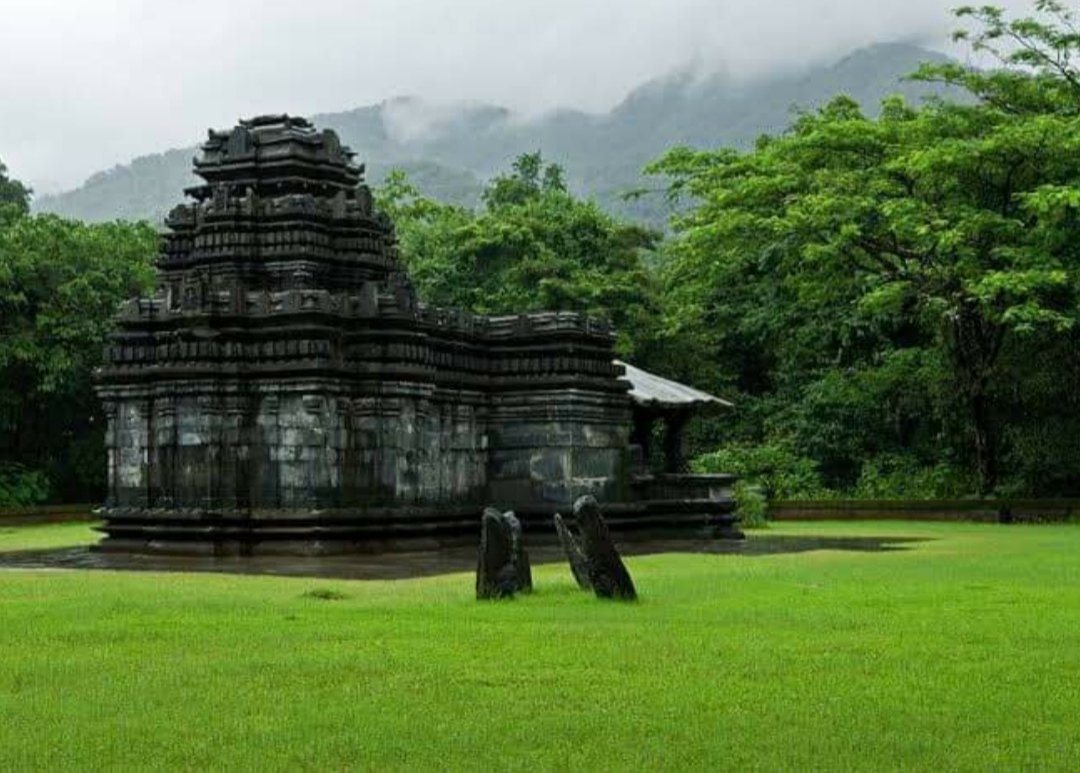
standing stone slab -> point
(579, 564)
(520, 556)
(502, 568)
(608, 575)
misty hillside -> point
(449, 151)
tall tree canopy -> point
(532, 247)
(14, 196)
(882, 288)
(60, 283)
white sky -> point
(85, 84)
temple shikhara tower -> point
(285, 389)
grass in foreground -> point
(960, 653)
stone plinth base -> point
(300, 533)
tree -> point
(529, 180)
(60, 283)
(14, 197)
(940, 241)
(533, 247)
(1037, 56)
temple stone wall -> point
(127, 450)
(549, 448)
(303, 449)
(456, 459)
(299, 439)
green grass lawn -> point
(962, 652)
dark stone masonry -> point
(608, 576)
(502, 567)
(284, 390)
(571, 545)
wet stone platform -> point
(399, 566)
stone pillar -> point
(674, 458)
(641, 435)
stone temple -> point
(284, 390)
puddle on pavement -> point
(397, 566)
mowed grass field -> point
(959, 653)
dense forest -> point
(889, 296)
(60, 283)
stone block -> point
(502, 569)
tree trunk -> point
(976, 344)
(984, 444)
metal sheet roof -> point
(649, 389)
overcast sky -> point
(85, 84)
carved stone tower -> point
(284, 389)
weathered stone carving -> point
(279, 292)
(608, 575)
(502, 568)
(579, 564)
(520, 555)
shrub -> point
(774, 468)
(20, 487)
(896, 476)
(753, 507)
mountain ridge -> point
(450, 150)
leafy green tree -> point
(775, 468)
(60, 283)
(533, 247)
(843, 256)
(1037, 53)
(530, 179)
(14, 197)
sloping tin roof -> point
(649, 389)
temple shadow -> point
(406, 565)
(772, 544)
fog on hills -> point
(448, 151)
(87, 86)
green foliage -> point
(899, 476)
(753, 506)
(533, 247)
(529, 181)
(14, 197)
(1038, 55)
(20, 487)
(60, 284)
(874, 287)
(775, 469)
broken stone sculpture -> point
(579, 565)
(607, 573)
(502, 568)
